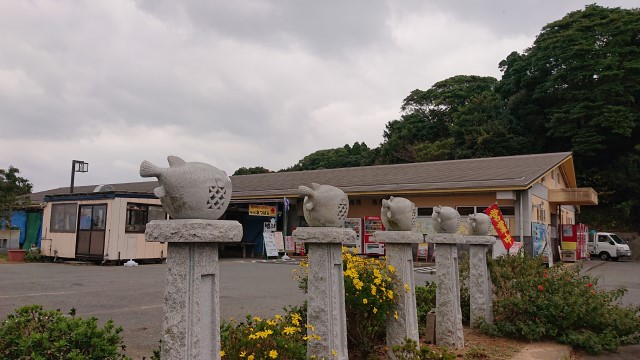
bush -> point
(535, 303)
(33, 255)
(281, 337)
(410, 350)
(33, 333)
(425, 301)
(369, 298)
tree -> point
(252, 170)
(12, 189)
(459, 117)
(347, 156)
(578, 88)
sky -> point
(231, 83)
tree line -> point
(577, 88)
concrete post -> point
(398, 245)
(325, 302)
(449, 331)
(479, 280)
(191, 326)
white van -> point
(608, 246)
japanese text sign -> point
(498, 223)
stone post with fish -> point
(195, 195)
(325, 210)
(399, 219)
(448, 312)
(481, 302)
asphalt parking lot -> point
(133, 297)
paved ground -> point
(132, 297)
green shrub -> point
(535, 303)
(410, 350)
(425, 302)
(34, 333)
(33, 255)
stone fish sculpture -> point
(398, 214)
(479, 224)
(445, 219)
(324, 205)
(190, 190)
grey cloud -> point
(326, 27)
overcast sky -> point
(231, 83)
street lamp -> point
(77, 166)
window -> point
(425, 211)
(138, 215)
(508, 210)
(63, 217)
(466, 210)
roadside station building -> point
(536, 194)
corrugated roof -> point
(498, 173)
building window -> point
(508, 210)
(138, 215)
(425, 211)
(63, 217)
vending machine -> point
(356, 225)
(574, 241)
(371, 224)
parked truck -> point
(608, 246)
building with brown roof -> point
(530, 190)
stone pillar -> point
(325, 302)
(398, 245)
(191, 326)
(448, 313)
(479, 280)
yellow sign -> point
(262, 210)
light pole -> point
(77, 166)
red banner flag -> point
(498, 223)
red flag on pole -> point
(498, 223)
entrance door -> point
(92, 221)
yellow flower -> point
(243, 354)
(316, 337)
(373, 290)
(390, 294)
(250, 357)
(271, 322)
(391, 268)
(375, 310)
(309, 326)
(253, 336)
(288, 330)
(257, 318)
(395, 315)
(221, 353)
(334, 352)
(407, 288)
(273, 354)
(364, 301)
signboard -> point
(279, 241)
(497, 220)
(262, 210)
(300, 248)
(270, 244)
(423, 251)
(290, 244)
(269, 226)
(515, 248)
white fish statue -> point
(445, 219)
(479, 224)
(398, 214)
(324, 205)
(190, 190)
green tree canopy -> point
(12, 189)
(578, 88)
(347, 156)
(251, 170)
